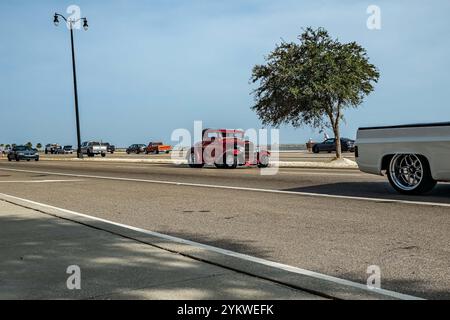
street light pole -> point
(77, 113)
(71, 24)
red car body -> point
(226, 148)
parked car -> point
(109, 147)
(23, 153)
(68, 149)
(136, 148)
(157, 147)
(414, 157)
(329, 145)
(50, 148)
(226, 148)
(92, 148)
(58, 150)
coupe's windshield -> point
(238, 135)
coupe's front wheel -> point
(231, 161)
(410, 174)
(263, 161)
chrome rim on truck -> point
(406, 171)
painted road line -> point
(40, 181)
(213, 186)
(242, 256)
(306, 173)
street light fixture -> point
(85, 24)
(71, 24)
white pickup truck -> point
(92, 148)
(414, 156)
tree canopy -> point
(311, 82)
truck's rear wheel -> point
(410, 174)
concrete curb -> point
(349, 164)
(308, 281)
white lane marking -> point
(39, 181)
(226, 252)
(213, 186)
(305, 173)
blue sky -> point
(146, 68)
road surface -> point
(336, 222)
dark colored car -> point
(329, 145)
(109, 147)
(23, 153)
(136, 148)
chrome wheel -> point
(229, 160)
(406, 171)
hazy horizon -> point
(145, 69)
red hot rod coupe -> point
(226, 148)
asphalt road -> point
(336, 222)
(283, 156)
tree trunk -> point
(337, 136)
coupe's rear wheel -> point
(410, 174)
(192, 161)
(316, 150)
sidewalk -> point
(36, 249)
(319, 164)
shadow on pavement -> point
(249, 247)
(414, 287)
(440, 194)
(36, 252)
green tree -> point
(8, 146)
(312, 82)
(39, 146)
(29, 145)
